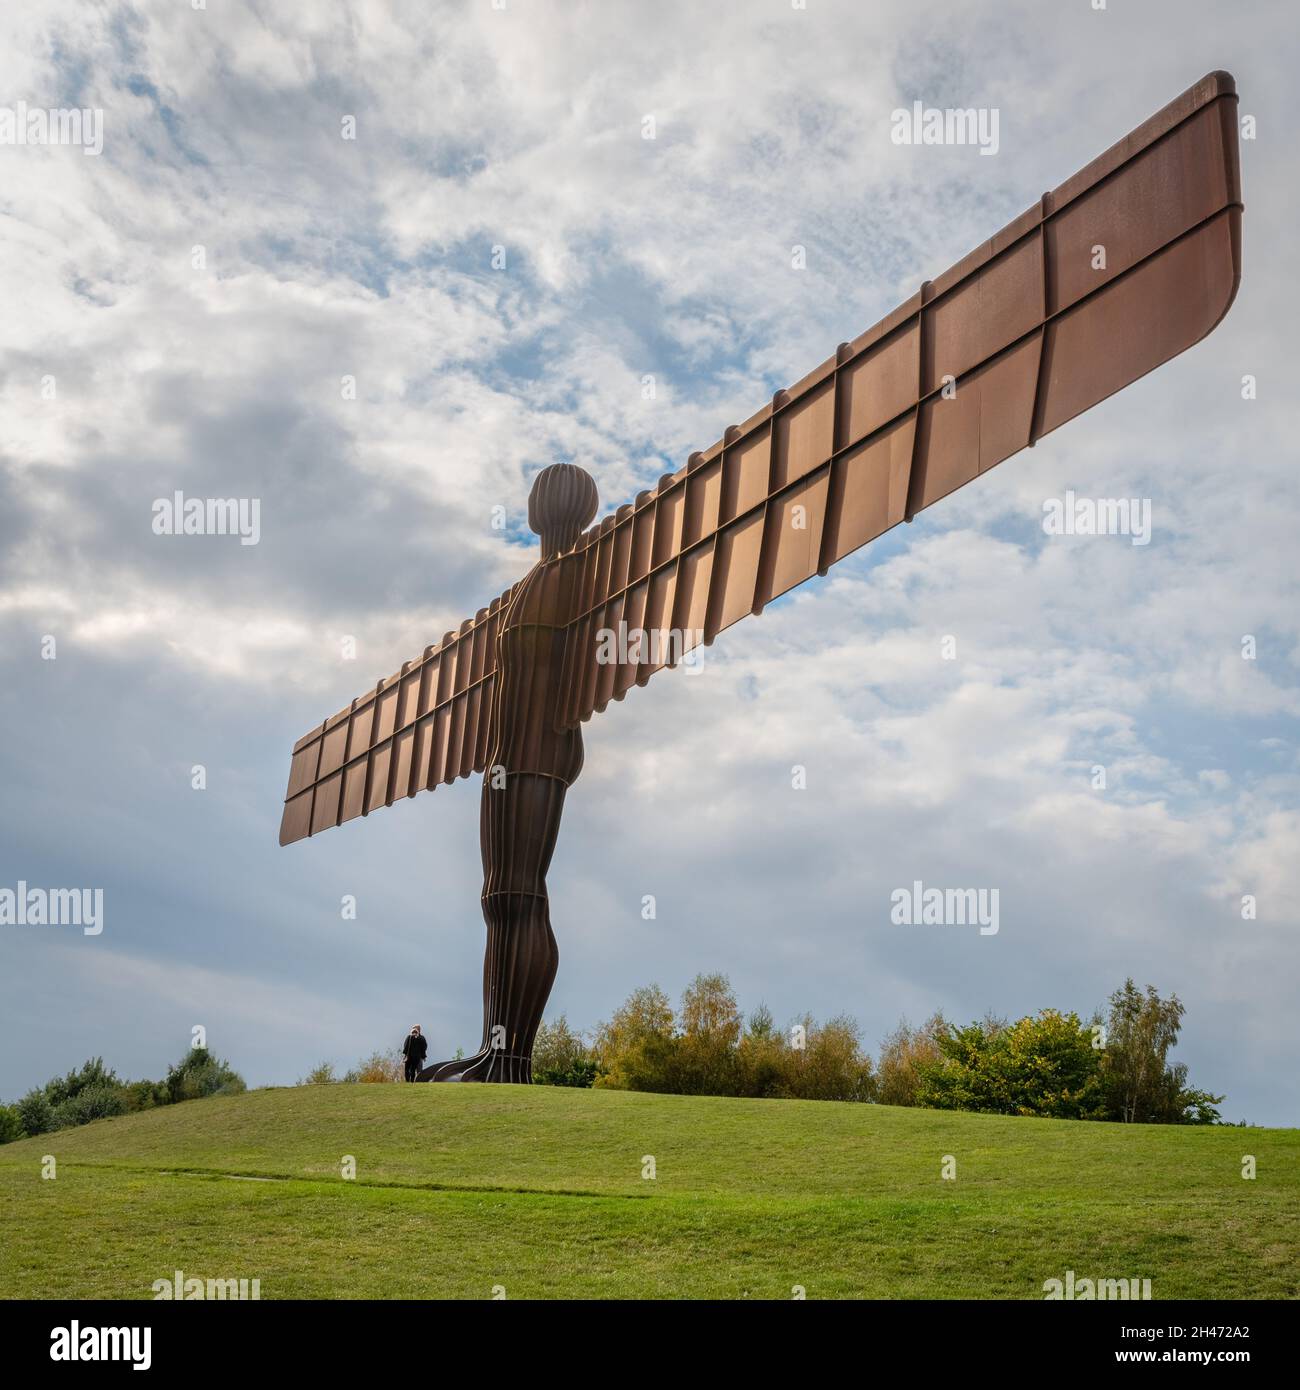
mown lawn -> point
(539, 1191)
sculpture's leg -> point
(518, 826)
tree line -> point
(1113, 1065)
(94, 1092)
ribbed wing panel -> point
(1125, 265)
(425, 725)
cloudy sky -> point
(179, 312)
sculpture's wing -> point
(428, 723)
(1027, 331)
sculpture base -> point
(493, 1065)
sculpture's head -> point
(561, 505)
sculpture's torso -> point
(530, 663)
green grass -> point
(462, 1188)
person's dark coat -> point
(416, 1047)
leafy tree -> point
(34, 1112)
(831, 1064)
(1141, 1086)
(709, 1010)
(704, 1058)
(92, 1074)
(557, 1046)
(11, 1126)
(762, 1056)
(1197, 1107)
(561, 1057)
(635, 1047)
(760, 1026)
(647, 1013)
(902, 1054)
(1041, 1065)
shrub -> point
(89, 1103)
(831, 1064)
(200, 1074)
(11, 1127)
(34, 1113)
(144, 1095)
(322, 1074)
(93, 1092)
(582, 1072)
(379, 1066)
(92, 1074)
(646, 1063)
(902, 1054)
(1045, 1064)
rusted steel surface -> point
(424, 725)
(532, 762)
(1018, 337)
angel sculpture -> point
(1125, 265)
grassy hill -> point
(540, 1190)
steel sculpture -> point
(1020, 336)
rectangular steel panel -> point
(805, 436)
(874, 489)
(881, 385)
(745, 475)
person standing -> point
(414, 1049)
